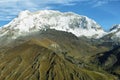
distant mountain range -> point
(51, 45)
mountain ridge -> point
(48, 19)
(32, 60)
(31, 49)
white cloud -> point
(13, 7)
(100, 3)
(47, 8)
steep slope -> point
(112, 38)
(28, 22)
(113, 34)
(51, 45)
(68, 42)
(34, 60)
(110, 60)
(115, 31)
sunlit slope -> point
(34, 60)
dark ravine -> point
(110, 60)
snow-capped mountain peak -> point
(115, 27)
(115, 30)
(27, 22)
(24, 14)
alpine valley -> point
(54, 45)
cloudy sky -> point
(104, 12)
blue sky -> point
(104, 12)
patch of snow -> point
(27, 22)
(115, 30)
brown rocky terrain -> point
(51, 55)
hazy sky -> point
(104, 12)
